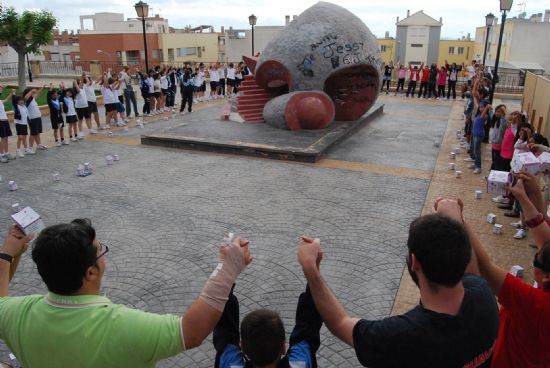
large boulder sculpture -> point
(325, 65)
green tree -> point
(25, 33)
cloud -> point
(459, 18)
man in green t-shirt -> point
(73, 326)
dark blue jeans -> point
(475, 151)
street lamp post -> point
(252, 21)
(142, 10)
(505, 6)
(489, 19)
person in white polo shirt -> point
(35, 117)
(82, 108)
(89, 89)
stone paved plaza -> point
(163, 213)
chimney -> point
(440, 19)
(223, 29)
(468, 37)
(547, 15)
(387, 35)
(408, 13)
(397, 21)
(294, 17)
(287, 20)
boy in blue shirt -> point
(262, 339)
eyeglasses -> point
(102, 250)
(540, 266)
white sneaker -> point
(93, 131)
(29, 151)
(58, 144)
(517, 225)
(477, 170)
(150, 114)
(103, 127)
(182, 112)
(74, 139)
(520, 234)
(469, 159)
(3, 159)
(65, 143)
(108, 126)
(121, 124)
(11, 156)
(42, 147)
(19, 153)
(501, 199)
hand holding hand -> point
(236, 255)
(451, 208)
(310, 253)
(16, 242)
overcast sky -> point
(459, 17)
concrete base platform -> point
(202, 131)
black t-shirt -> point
(423, 338)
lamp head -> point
(489, 19)
(142, 9)
(252, 20)
(506, 5)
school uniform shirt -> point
(90, 92)
(221, 73)
(3, 115)
(81, 101)
(69, 102)
(32, 107)
(108, 95)
(524, 326)
(214, 77)
(163, 82)
(156, 85)
(23, 114)
(151, 83)
(424, 338)
(230, 73)
(441, 77)
(425, 75)
(415, 75)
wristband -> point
(539, 219)
(6, 257)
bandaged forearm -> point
(217, 288)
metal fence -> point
(8, 70)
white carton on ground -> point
(29, 221)
(526, 162)
(517, 271)
(497, 182)
(497, 229)
(491, 218)
(544, 160)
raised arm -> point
(203, 315)
(75, 86)
(332, 312)
(15, 245)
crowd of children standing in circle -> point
(75, 105)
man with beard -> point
(456, 321)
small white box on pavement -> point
(478, 194)
(56, 176)
(452, 155)
(458, 174)
(12, 185)
(452, 166)
(491, 218)
(116, 158)
(458, 150)
(497, 229)
(517, 271)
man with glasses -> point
(74, 326)
(525, 310)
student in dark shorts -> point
(70, 112)
(21, 119)
(456, 322)
(82, 110)
(5, 130)
(56, 115)
(35, 117)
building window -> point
(461, 50)
(185, 51)
(451, 50)
(170, 54)
(417, 45)
(130, 25)
(383, 48)
(142, 55)
(155, 53)
(199, 52)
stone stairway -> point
(252, 100)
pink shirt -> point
(507, 147)
(441, 77)
(402, 73)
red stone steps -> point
(252, 100)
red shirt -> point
(524, 332)
(425, 75)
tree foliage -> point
(27, 31)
